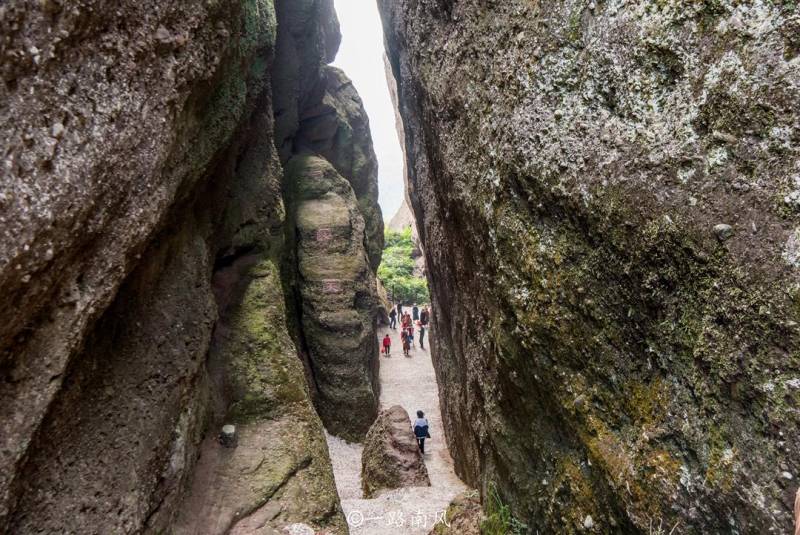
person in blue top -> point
(421, 430)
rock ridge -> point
(142, 261)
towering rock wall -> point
(337, 128)
(607, 196)
(326, 147)
(143, 228)
(336, 293)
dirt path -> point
(411, 383)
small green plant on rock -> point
(499, 520)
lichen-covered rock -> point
(279, 472)
(113, 124)
(337, 294)
(601, 352)
(391, 458)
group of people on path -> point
(418, 319)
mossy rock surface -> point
(328, 212)
(337, 292)
(278, 472)
(462, 517)
(603, 350)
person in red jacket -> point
(387, 345)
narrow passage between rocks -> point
(411, 383)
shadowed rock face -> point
(605, 347)
(334, 299)
(279, 472)
(338, 130)
(391, 457)
(143, 225)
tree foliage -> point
(397, 269)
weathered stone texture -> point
(463, 516)
(279, 472)
(142, 221)
(350, 151)
(601, 350)
(391, 457)
(336, 292)
(114, 120)
(324, 141)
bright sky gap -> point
(361, 58)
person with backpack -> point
(424, 317)
(387, 344)
(421, 327)
(393, 319)
(421, 431)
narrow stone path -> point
(410, 383)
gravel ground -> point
(410, 383)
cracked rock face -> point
(605, 194)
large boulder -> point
(324, 125)
(391, 457)
(337, 294)
(607, 196)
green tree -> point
(396, 271)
